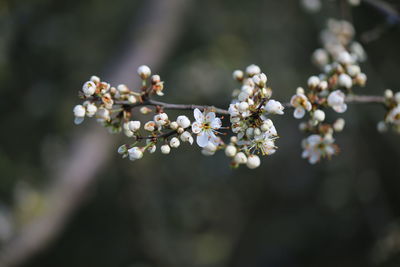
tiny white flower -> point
(336, 100)
(361, 79)
(243, 96)
(353, 70)
(79, 113)
(345, 81)
(132, 99)
(144, 71)
(253, 70)
(122, 88)
(161, 119)
(174, 125)
(316, 146)
(313, 81)
(95, 79)
(135, 153)
(89, 88)
(150, 126)
(174, 143)
(388, 94)
(103, 114)
(319, 115)
(260, 79)
(274, 107)
(187, 137)
(243, 106)
(205, 126)
(301, 105)
(253, 161)
(91, 109)
(165, 149)
(122, 149)
(240, 158)
(238, 75)
(230, 151)
(338, 125)
(320, 57)
(345, 58)
(394, 116)
(134, 125)
(247, 89)
(183, 121)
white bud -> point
(89, 88)
(353, 70)
(150, 126)
(300, 91)
(397, 97)
(243, 106)
(122, 149)
(79, 111)
(122, 88)
(253, 70)
(243, 96)
(260, 79)
(257, 131)
(338, 125)
(345, 58)
(165, 149)
(155, 79)
(253, 161)
(237, 75)
(144, 71)
(319, 115)
(388, 93)
(274, 107)
(132, 99)
(250, 132)
(174, 125)
(91, 109)
(247, 89)
(210, 147)
(345, 81)
(95, 79)
(134, 125)
(135, 153)
(103, 114)
(323, 85)
(313, 81)
(320, 57)
(233, 139)
(174, 143)
(230, 151)
(187, 137)
(240, 158)
(180, 130)
(183, 121)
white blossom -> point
(274, 107)
(345, 81)
(183, 121)
(205, 126)
(260, 79)
(187, 137)
(230, 151)
(165, 149)
(134, 125)
(103, 115)
(161, 119)
(313, 81)
(89, 88)
(253, 70)
(135, 153)
(338, 125)
(91, 109)
(394, 116)
(316, 146)
(79, 113)
(301, 105)
(336, 100)
(238, 75)
(150, 126)
(174, 143)
(253, 161)
(240, 158)
(144, 71)
(319, 115)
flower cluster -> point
(339, 61)
(392, 117)
(253, 132)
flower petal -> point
(198, 115)
(340, 108)
(210, 117)
(299, 112)
(202, 139)
(216, 123)
(196, 127)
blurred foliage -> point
(187, 209)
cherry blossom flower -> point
(205, 126)
(336, 101)
(315, 146)
(301, 105)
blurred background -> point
(68, 199)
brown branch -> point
(357, 99)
